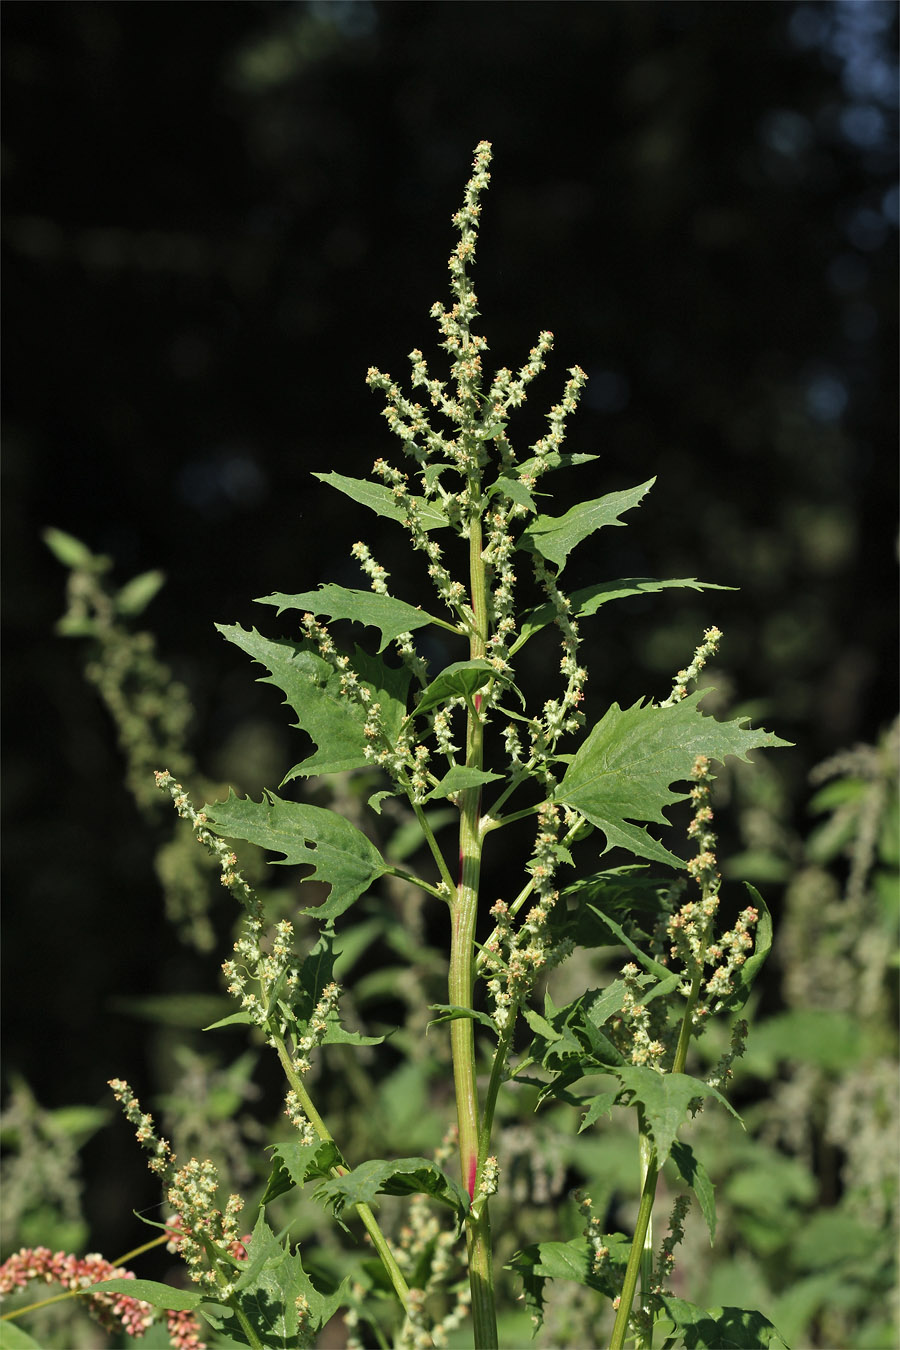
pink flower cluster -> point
(114, 1312)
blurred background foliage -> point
(216, 217)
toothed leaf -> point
(339, 853)
(624, 770)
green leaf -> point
(514, 489)
(556, 459)
(588, 600)
(665, 1098)
(452, 1012)
(458, 779)
(722, 1328)
(267, 1293)
(597, 1106)
(149, 1291)
(136, 594)
(648, 962)
(12, 1337)
(573, 1260)
(338, 852)
(554, 537)
(624, 769)
(382, 501)
(695, 1174)
(402, 1176)
(462, 679)
(293, 1164)
(391, 617)
(332, 719)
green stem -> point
(464, 914)
(635, 1257)
(433, 845)
(369, 1222)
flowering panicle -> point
(207, 1238)
(560, 715)
(514, 958)
(640, 1029)
(161, 1156)
(551, 443)
(114, 1312)
(665, 1262)
(508, 391)
(199, 1229)
(231, 878)
(593, 1232)
(711, 639)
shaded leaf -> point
(597, 1106)
(382, 501)
(722, 1328)
(12, 1337)
(648, 962)
(554, 537)
(573, 1260)
(624, 769)
(695, 1174)
(339, 853)
(402, 1176)
(451, 1012)
(391, 617)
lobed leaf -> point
(339, 853)
(313, 690)
(391, 617)
(382, 501)
(402, 1176)
(572, 1260)
(721, 1328)
(624, 770)
(554, 537)
(665, 1098)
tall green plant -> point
(469, 736)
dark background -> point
(217, 216)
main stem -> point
(464, 914)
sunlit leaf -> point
(554, 537)
(382, 501)
(391, 617)
(339, 853)
(624, 770)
